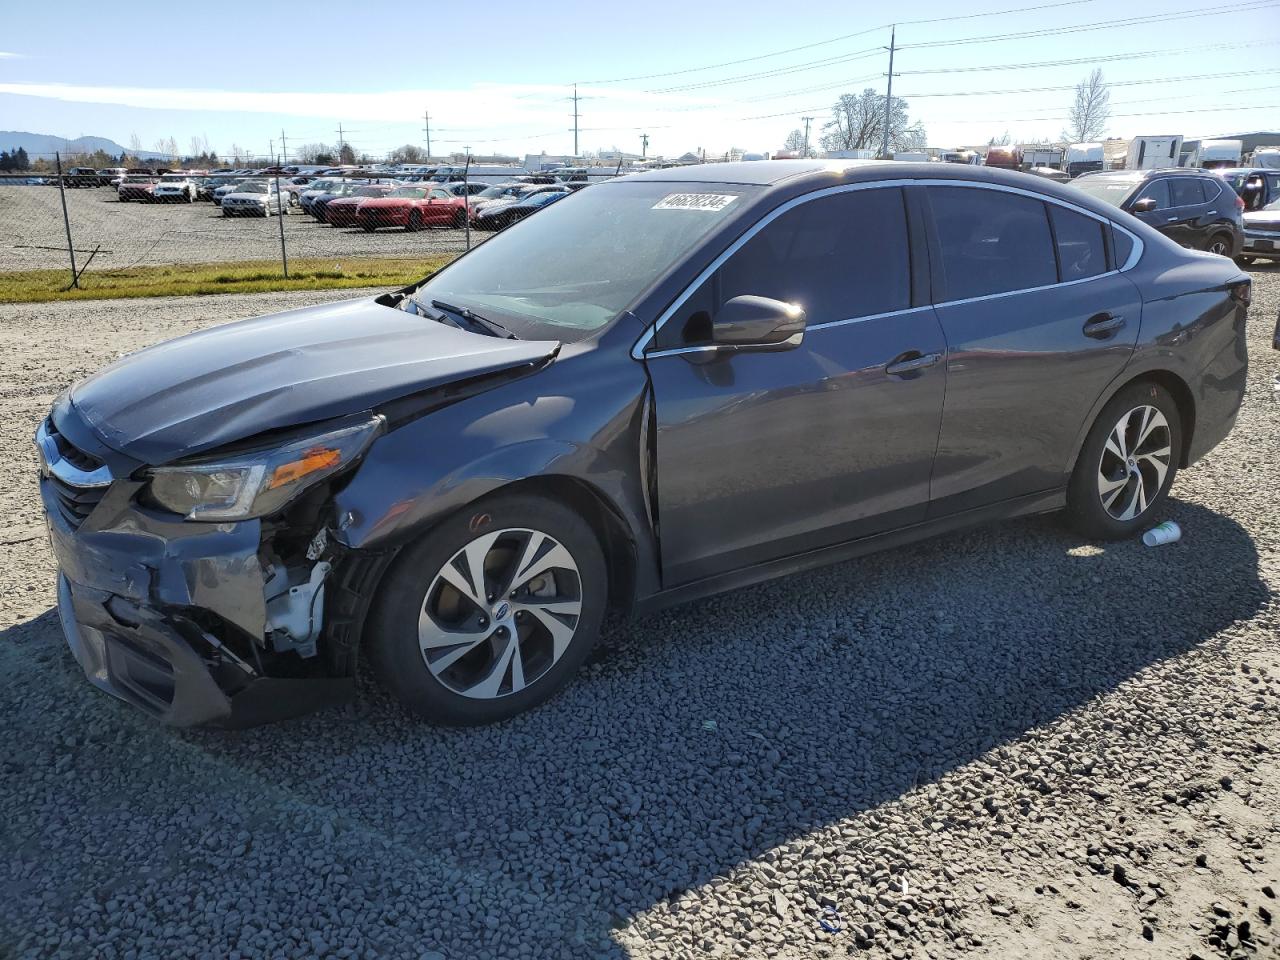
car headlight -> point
(259, 482)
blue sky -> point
(502, 83)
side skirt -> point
(1045, 502)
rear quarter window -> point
(992, 242)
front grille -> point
(74, 502)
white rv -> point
(1042, 157)
(1153, 153)
(1216, 153)
(1084, 158)
(1268, 158)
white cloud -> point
(9, 55)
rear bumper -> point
(1261, 244)
(161, 614)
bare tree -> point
(409, 153)
(794, 141)
(858, 123)
(135, 143)
(1003, 140)
(1090, 111)
(315, 153)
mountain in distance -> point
(46, 144)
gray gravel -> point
(1002, 743)
(33, 236)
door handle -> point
(1102, 325)
(1172, 220)
(906, 363)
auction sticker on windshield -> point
(707, 202)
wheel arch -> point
(1171, 381)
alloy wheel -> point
(1218, 245)
(1134, 462)
(500, 613)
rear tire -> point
(1219, 243)
(460, 662)
(460, 220)
(1127, 464)
(415, 221)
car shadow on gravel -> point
(709, 738)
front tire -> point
(1127, 464)
(491, 612)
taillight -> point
(1242, 292)
(1239, 202)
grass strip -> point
(249, 276)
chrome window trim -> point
(638, 348)
(56, 465)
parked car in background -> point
(1006, 158)
(343, 211)
(316, 188)
(175, 187)
(1261, 234)
(968, 157)
(81, 177)
(136, 186)
(1084, 158)
(1256, 186)
(205, 186)
(506, 193)
(231, 186)
(1050, 173)
(455, 482)
(1190, 207)
(110, 176)
(499, 215)
(255, 198)
(413, 208)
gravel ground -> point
(1002, 743)
(33, 236)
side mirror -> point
(758, 323)
(1145, 205)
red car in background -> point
(413, 207)
(136, 187)
(342, 212)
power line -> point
(1091, 60)
(1071, 86)
(822, 43)
(778, 72)
(1188, 14)
(1145, 113)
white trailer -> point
(1084, 158)
(1209, 154)
(912, 156)
(1153, 153)
(850, 155)
(1268, 158)
(1041, 157)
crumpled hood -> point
(217, 386)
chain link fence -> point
(79, 229)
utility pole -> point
(341, 142)
(644, 145)
(576, 115)
(426, 120)
(66, 222)
(888, 97)
(807, 121)
(284, 151)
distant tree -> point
(409, 153)
(1001, 141)
(135, 144)
(346, 153)
(858, 123)
(1090, 110)
(20, 159)
(6, 161)
(794, 141)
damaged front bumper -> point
(166, 614)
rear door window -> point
(1186, 192)
(1079, 240)
(992, 242)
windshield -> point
(252, 187)
(413, 192)
(368, 192)
(587, 258)
(1112, 190)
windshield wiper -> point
(492, 327)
